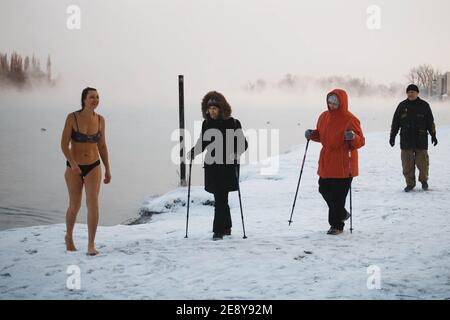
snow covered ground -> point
(405, 235)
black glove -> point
(349, 135)
(191, 154)
(392, 141)
(434, 140)
(308, 134)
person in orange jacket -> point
(341, 136)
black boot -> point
(408, 188)
(424, 186)
(217, 236)
(334, 231)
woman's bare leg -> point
(92, 187)
(75, 188)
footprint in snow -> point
(128, 251)
(51, 273)
(300, 257)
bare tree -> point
(26, 64)
(259, 85)
(16, 68)
(4, 66)
(423, 76)
(288, 81)
(49, 69)
(412, 76)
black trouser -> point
(222, 216)
(335, 191)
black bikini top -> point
(85, 138)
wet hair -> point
(84, 94)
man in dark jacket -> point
(415, 120)
(224, 141)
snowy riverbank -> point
(406, 235)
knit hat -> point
(412, 87)
(332, 98)
(212, 102)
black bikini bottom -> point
(85, 168)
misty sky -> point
(139, 47)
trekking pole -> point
(299, 178)
(240, 201)
(189, 197)
(350, 175)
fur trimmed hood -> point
(222, 103)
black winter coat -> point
(221, 173)
(415, 120)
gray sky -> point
(139, 47)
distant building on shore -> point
(441, 86)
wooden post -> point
(181, 125)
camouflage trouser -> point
(412, 158)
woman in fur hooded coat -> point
(224, 141)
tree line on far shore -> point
(17, 71)
(422, 75)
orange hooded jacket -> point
(334, 161)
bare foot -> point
(92, 251)
(70, 246)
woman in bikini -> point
(84, 132)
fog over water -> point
(133, 52)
